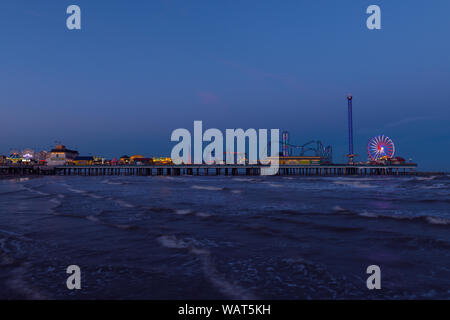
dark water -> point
(225, 237)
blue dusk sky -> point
(137, 70)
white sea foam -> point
(170, 178)
(94, 196)
(242, 179)
(111, 182)
(172, 242)
(55, 201)
(425, 178)
(124, 204)
(274, 185)
(339, 209)
(368, 214)
(436, 220)
(203, 214)
(434, 186)
(210, 272)
(36, 191)
(210, 188)
(183, 211)
(92, 218)
(354, 184)
(76, 190)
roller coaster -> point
(314, 146)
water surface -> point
(225, 237)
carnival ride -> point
(314, 146)
(380, 147)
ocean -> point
(225, 237)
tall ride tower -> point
(350, 155)
(285, 144)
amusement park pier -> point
(211, 170)
(309, 159)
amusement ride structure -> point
(314, 146)
(380, 147)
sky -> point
(137, 70)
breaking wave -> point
(420, 218)
(209, 188)
(209, 270)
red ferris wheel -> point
(380, 147)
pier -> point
(211, 170)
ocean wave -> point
(203, 214)
(36, 191)
(11, 192)
(427, 219)
(126, 226)
(339, 209)
(226, 287)
(172, 242)
(10, 233)
(94, 196)
(76, 190)
(68, 215)
(355, 184)
(373, 215)
(368, 214)
(275, 185)
(159, 209)
(435, 186)
(271, 184)
(243, 179)
(361, 178)
(439, 221)
(209, 188)
(337, 228)
(55, 201)
(96, 219)
(92, 218)
(209, 270)
(289, 212)
(86, 193)
(170, 178)
(16, 281)
(183, 211)
(125, 204)
(112, 182)
(429, 200)
(265, 231)
(425, 178)
(421, 219)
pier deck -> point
(207, 170)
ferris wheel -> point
(380, 146)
